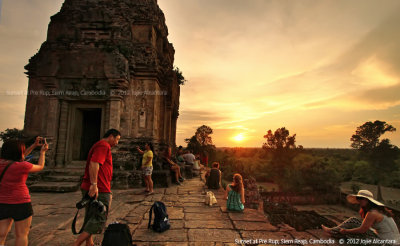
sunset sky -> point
(319, 68)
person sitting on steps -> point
(173, 166)
(189, 158)
(197, 164)
(374, 214)
(234, 194)
(213, 177)
(179, 156)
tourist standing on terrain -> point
(147, 166)
(15, 201)
(213, 177)
(235, 194)
(97, 184)
(374, 214)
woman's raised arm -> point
(33, 146)
(42, 158)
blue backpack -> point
(161, 221)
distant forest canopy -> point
(324, 168)
(372, 160)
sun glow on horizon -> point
(239, 137)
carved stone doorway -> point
(86, 127)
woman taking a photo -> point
(15, 201)
(147, 166)
(235, 194)
(374, 215)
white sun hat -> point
(364, 194)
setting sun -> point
(239, 137)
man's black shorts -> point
(17, 212)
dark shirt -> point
(213, 178)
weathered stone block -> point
(135, 179)
(208, 216)
(120, 180)
(208, 224)
(248, 215)
(161, 178)
(256, 226)
(173, 235)
(213, 235)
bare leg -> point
(22, 231)
(175, 170)
(179, 171)
(89, 241)
(150, 181)
(84, 236)
(5, 227)
(326, 229)
(147, 183)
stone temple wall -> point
(105, 64)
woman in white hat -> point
(375, 216)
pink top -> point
(13, 189)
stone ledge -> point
(246, 235)
(213, 235)
(172, 235)
(208, 224)
(256, 226)
(54, 187)
(207, 216)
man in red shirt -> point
(97, 183)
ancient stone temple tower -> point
(105, 64)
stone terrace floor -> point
(192, 222)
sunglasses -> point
(360, 198)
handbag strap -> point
(73, 225)
(5, 169)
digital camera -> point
(84, 202)
(90, 201)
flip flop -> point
(150, 193)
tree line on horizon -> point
(371, 160)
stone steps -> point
(63, 178)
(54, 187)
(59, 179)
(67, 172)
